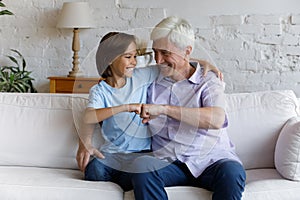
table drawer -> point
(71, 85)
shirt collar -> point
(197, 75)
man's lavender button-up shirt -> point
(175, 140)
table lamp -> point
(75, 15)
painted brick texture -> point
(255, 52)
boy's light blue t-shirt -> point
(124, 132)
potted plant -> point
(16, 78)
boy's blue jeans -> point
(225, 178)
(115, 168)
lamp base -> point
(75, 74)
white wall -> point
(255, 43)
(217, 7)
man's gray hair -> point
(176, 30)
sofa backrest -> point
(39, 129)
(255, 121)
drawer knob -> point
(80, 86)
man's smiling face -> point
(170, 58)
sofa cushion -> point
(179, 193)
(267, 184)
(287, 152)
(255, 120)
(32, 183)
(261, 184)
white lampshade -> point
(75, 15)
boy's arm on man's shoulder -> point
(209, 67)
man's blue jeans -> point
(225, 178)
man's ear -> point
(188, 50)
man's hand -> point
(151, 111)
(209, 67)
(84, 153)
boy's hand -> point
(84, 153)
(209, 67)
(135, 107)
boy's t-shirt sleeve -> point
(147, 74)
(96, 99)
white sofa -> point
(39, 142)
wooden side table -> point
(71, 84)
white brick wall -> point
(255, 51)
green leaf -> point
(23, 64)
(11, 68)
(23, 60)
(12, 78)
(6, 12)
(17, 52)
(2, 83)
(2, 4)
(32, 89)
(14, 60)
(21, 87)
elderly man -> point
(186, 117)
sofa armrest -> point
(287, 150)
